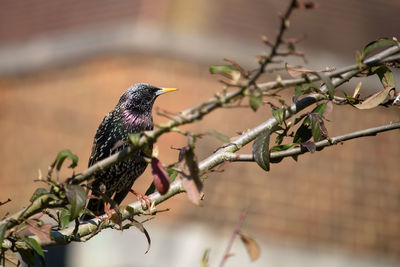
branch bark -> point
(86, 230)
(223, 154)
(319, 145)
(198, 112)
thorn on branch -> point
(164, 113)
(243, 72)
(264, 38)
(306, 5)
(5, 202)
(229, 84)
(294, 40)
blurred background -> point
(64, 65)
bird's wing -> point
(103, 141)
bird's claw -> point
(146, 200)
(143, 198)
(113, 214)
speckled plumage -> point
(132, 114)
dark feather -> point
(132, 114)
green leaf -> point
(130, 209)
(217, 69)
(299, 118)
(329, 85)
(319, 109)
(205, 258)
(151, 189)
(359, 59)
(62, 155)
(282, 147)
(279, 115)
(219, 136)
(39, 192)
(304, 132)
(303, 89)
(36, 247)
(255, 102)
(385, 75)
(279, 139)
(376, 44)
(134, 138)
(316, 126)
(172, 174)
(3, 228)
(228, 71)
(77, 197)
(65, 217)
(350, 99)
(261, 150)
(27, 255)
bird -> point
(132, 114)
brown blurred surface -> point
(345, 197)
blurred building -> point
(64, 64)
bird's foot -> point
(113, 214)
(107, 210)
(143, 198)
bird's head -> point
(140, 97)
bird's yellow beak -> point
(166, 90)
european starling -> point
(132, 114)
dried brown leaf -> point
(238, 67)
(141, 228)
(297, 71)
(190, 174)
(11, 258)
(375, 99)
(309, 145)
(42, 231)
(357, 90)
(253, 249)
(329, 108)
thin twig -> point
(198, 111)
(235, 232)
(278, 41)
(228, 156)
(61, 237)
(195, 113)
(5, 202)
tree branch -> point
(197, 112)
(86, 230)
(223, 154)
(235, 232)
(229, 156)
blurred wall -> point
(64, 64)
